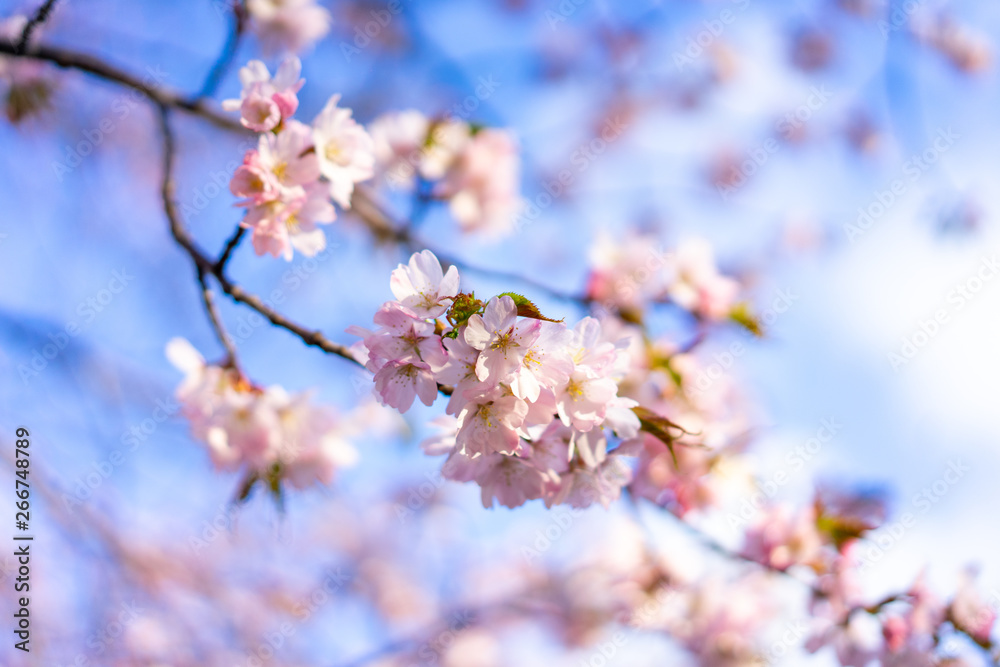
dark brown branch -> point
(227, 252)
(160, 96)
(205, 265)
(39, 18)
(208, 299)
(225, 59)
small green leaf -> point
(274, 485)
(525, 308)
(741, 315)
(245, 487)
(661, 428)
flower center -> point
(280, 171)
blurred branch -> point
(40, 16)
(213, 315)
(225, 59)
(160, 96)
(207, 266)
(231, 244)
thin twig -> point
(213, 316)
(225, 59)
(204, 264)
(39, 18)
(227, 252)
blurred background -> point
(839, 155)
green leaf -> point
(245, 487)
(525, 308)
(742, 315)
(274, 485)
(661, 428)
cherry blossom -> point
(489, 423)
(483, 184)
(422, 286)
(263, 431)
(781, 538)
(280, 225)
(399, 382)
(265, 102)
(503, 341)
(344, 150)
(288, 25)
(696, 283)
(398, 140)
(546, 362)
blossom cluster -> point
(628, 275)
(534, 407)
(904, 629)
(287, 182)
(476, 170)
(266, 432)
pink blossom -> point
(251, 428)
(265, 102)
(457, 368)
(422, 286)
(511, 480)
(397, 383)
(546, 363)
(583, 401)
(344, 150)
(697, 285)
(443, 146)
(600, 479)
(719, 620)
(971, 613)
(503, 340)
(289, 158)
(288, 25)
(626, 273)
(254, 181)
(280, 225)
(489, 423)
(782, 538)
(398, 140)
(402, 337)
(620, 418)
(484, 183)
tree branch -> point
(227, 252)
(207, 266)
(213, 315)
(160, 96)
(39, 18)
(225, 59)
(217, 269)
